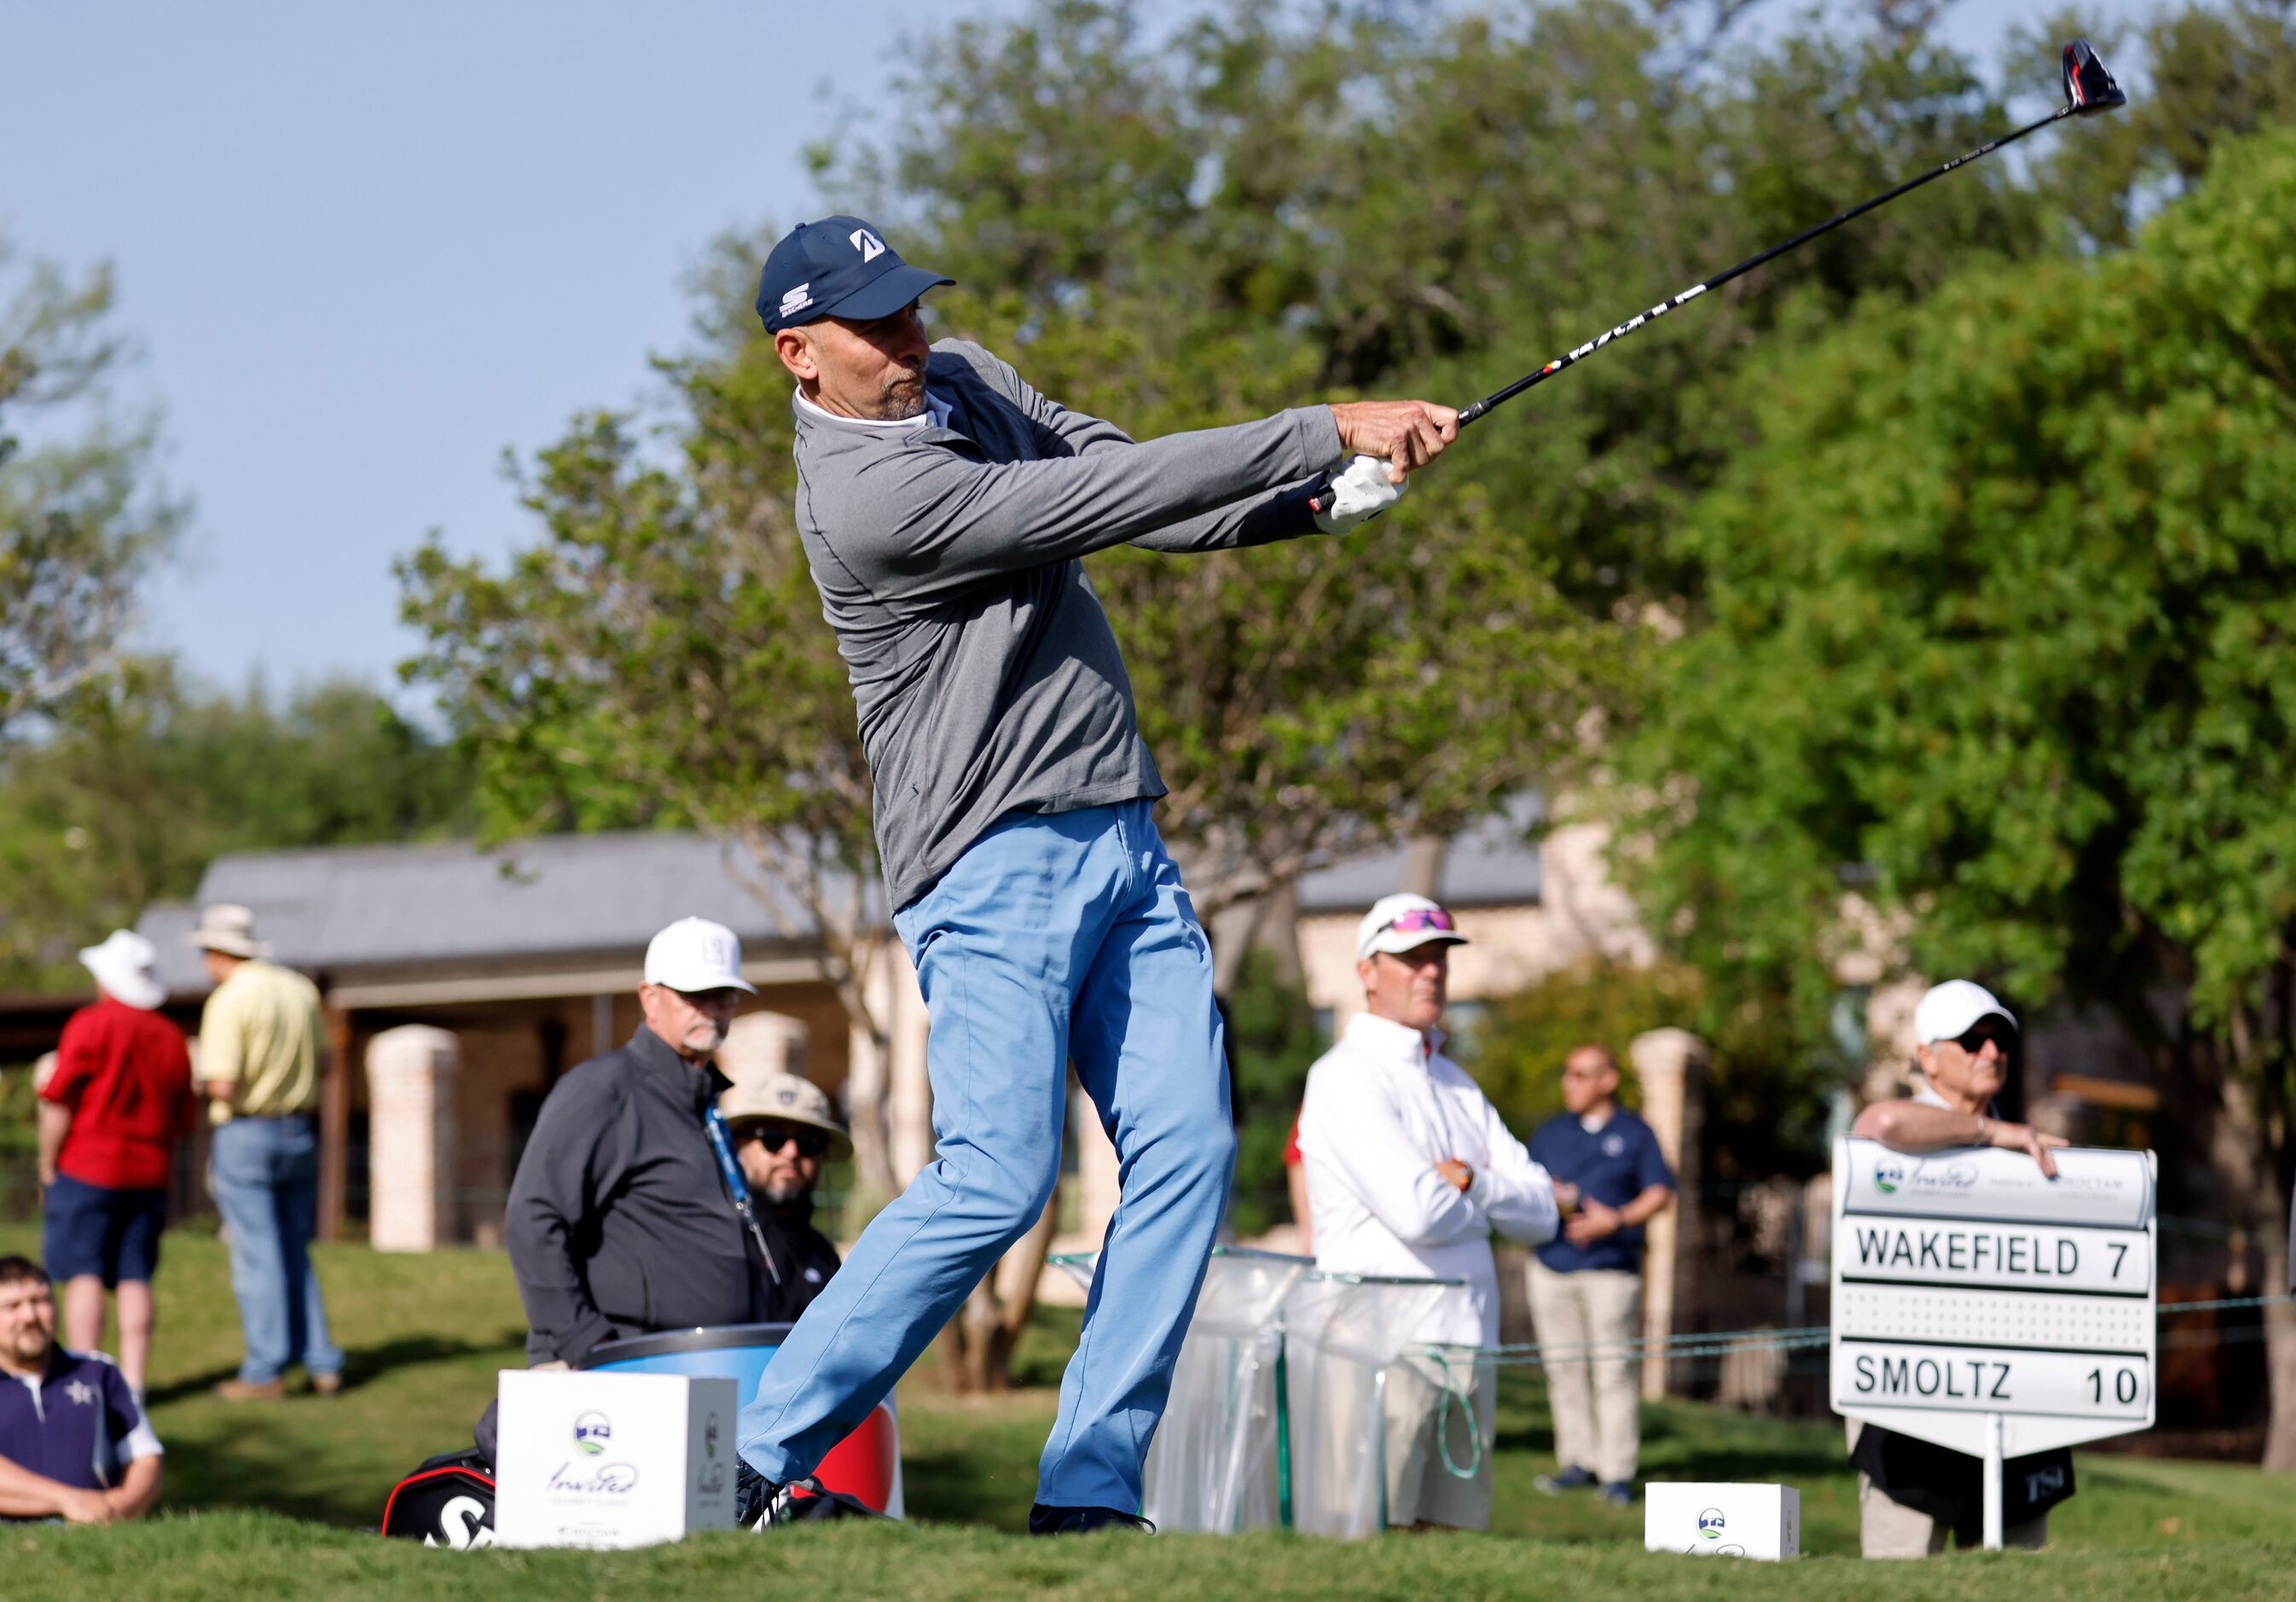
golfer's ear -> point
(794, 346)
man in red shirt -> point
(110, 1118)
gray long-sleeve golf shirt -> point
(986, 675)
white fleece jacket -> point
(1380, 1111)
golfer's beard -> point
(783, 1192)
(705, 1038)
(30, 1349)
(904, 398)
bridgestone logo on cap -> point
(798, 298)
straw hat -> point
(229, 929)
(785, 1098)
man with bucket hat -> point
(1912, 1495)
(945, 508)
(782, 1127)
(262, 1035)
(110, 1115)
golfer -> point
(945, 507)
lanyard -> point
(736, 1187)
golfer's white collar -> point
(935, 415)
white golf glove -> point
(1355, 494)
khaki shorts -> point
(1421, 1488)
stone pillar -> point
(761, 1043)
(908, 1087)
(410, 1077)
(1097, 1185)
(1670, 1067)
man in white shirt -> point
(1409, 1171)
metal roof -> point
(1491, 863)
(560, 895)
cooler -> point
(865, 1465)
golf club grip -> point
(1489, 403)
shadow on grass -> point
(361, 1364)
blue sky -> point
(366, 250)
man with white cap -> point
(1911, 1494)
(628, 1213)
(1410, 1173)
(262, 1035)
(110, 1115)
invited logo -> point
(1710, 1524)
(591, 1432)
(870, 246)
(1888, 1177)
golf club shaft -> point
(1499, 398)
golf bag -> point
(449, 1501)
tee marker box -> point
(1709, 1520)
(613, 1459)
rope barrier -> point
(1710, 1344)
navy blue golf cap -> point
(837, 268)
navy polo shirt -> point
(79, 1424)
(1614, 1165)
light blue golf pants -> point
(1052, 938)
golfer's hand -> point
(2024, 1137)
(1408, 433)
(1456, 1174)
(47, 1176)
(1592, 1222)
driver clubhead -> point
(2088, 83)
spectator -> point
(624, 1217)
(74, 1442)
(261, 1036)
(782, 1127)
(1410, 1173)
(1295, 1183)
(110, 1114)
(1585, 1286)
(1912, 1494)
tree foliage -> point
(83, 516)
(140, 785)
(2000, 630)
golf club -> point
(2089, 88)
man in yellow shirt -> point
(261, 1035)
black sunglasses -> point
(1972, 1039)
(810, 1142)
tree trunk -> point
(976, 1346)
(2242, 1151)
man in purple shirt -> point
(74, 1442)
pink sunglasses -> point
(1422, 917)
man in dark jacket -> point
(622, 1218)
(782, 1127)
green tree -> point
(1273, 1039)
(2000, 636)
(1765, 1111)
(83, 517)
(145, 781)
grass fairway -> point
(273, 1497)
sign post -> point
(1981, 1306)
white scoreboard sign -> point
(1967, 1287)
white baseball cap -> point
(1951, 1009)
(1404, 922)
(695, 955)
